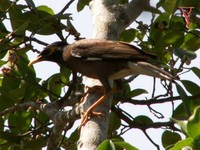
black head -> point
(52, 52)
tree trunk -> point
(109, 19)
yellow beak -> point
(38, 59)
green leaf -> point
(137, 92)
(177, 24)
(158, 30)
(64, 74)
(55, 86)
(9, 83)
(143, 120)
(114, 123)
(16, 18)
(183, 143)
(174, 38)
(31, 4)
(75, 136)
(1, 125)
(6, 101)
(185, 53)
(123, 1)
(3, 50)
(197, 142)
(21, 30)
(170, 138)
(62, 16)
(19, 121)
(125, 145)
(128, 35)
(43, 21)
(46, 9)
(10, 137)
(2, 142)
(191, 87)
(5, 4)
(164, 18)
(193, 125)
(106, 145)
(184, 98)
(42, 118)
(38, 143)
(46, 29)
(170, 6)
(196, 71)
(3, 30)
(179, 112)
(2, 62)
(18, 93)
(28, 73)
(192, 42)
(81, 4)
(191, 3)
(182, 124)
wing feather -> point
(107, 50)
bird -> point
(103, 60)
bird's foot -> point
(88, 114)
(90, 111)
(97, 88)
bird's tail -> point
(146, 68)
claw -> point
(90, 90)
(88, 115)
(90, 111)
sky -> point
(83, 23)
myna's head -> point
(53, 52)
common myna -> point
(103, 60)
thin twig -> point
(155, 113)
(132, 124)
(154, 87)
(66, 7)
(153, 101)
(149, 101)
(70, 89)
(149, 138)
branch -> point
(149, 101)
(138, 6)
(149, 138)
(20, 107)
(59, 118)
(153, 101)
(132, 124)
(48, 108)
(66, 7)
(71, 86)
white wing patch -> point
(93, 59)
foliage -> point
(166, 36)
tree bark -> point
(109, 19)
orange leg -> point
(90, 112)
(98, 89)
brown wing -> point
(92, 49)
